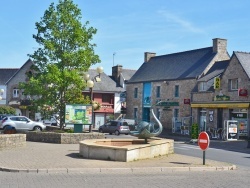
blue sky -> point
(131, 27)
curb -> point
(123, 170)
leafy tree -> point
(65, 51)
(7, 110)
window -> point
(233, 84)
(158, 91)
(135, 113)
(106, 98)
(158, 113)
(176, 113)
(202, 86)
(176, 91)
(15, 93)
(136, 93)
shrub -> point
(195, 131)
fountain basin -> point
(125, 150)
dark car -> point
(116, 127)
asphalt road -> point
(241, 159)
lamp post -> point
(1, 93)
(90, 85)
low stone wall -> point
(12, 140)
(62, 138)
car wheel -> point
(117, 132)
(37, 128)
(100, 131)
(126, 133)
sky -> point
(126, 29)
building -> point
(5, 75)
(165, 82)
(109, 93)
(224, 97)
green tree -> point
(65, 52)
(7, 110)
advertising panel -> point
(78, 114)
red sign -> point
(242, 92)
(186, 101)
(203, 141)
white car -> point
(21, 123)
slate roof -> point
(176, 66)
(6, 74)
(128, 73)
(244, 59)
(106, 85)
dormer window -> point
(202, 86)
(15, 93)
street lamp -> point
(1, 93)
(90, 85)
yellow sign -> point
(221, 105)
(216, 83)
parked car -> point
(116, 127)
(2, 116)
(21, 123)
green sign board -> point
(167, 104)
(78, 114)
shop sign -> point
(186, 101)
(242, 92)
(216, 83)
(221, 98)
(164, 103)
(211, 115)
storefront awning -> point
(220, 105)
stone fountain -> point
(147, 145)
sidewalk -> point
(64, 158)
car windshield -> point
(125, 124)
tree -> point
(7, 110)
(65, 52)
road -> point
(240, 159)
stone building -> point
(170, 79)
(222, 94)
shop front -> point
(211, 117)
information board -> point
(78, 114)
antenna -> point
(114, 58)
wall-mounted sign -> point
(221, 98)
(78, 114)
(164, 103)
(211, 116)
(186, 101)
(216, 83)
(242, 92)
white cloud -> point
(180, 21)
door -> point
(99, 120)
(146, 114)
(219, 118)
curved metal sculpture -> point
(146, 130)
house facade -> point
(164, 84)
(225, 99)
(109, 93)
(5, 75)
(14, 96)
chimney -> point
(116, 71)
(219, 45)
(148, 55)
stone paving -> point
(46, 157)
